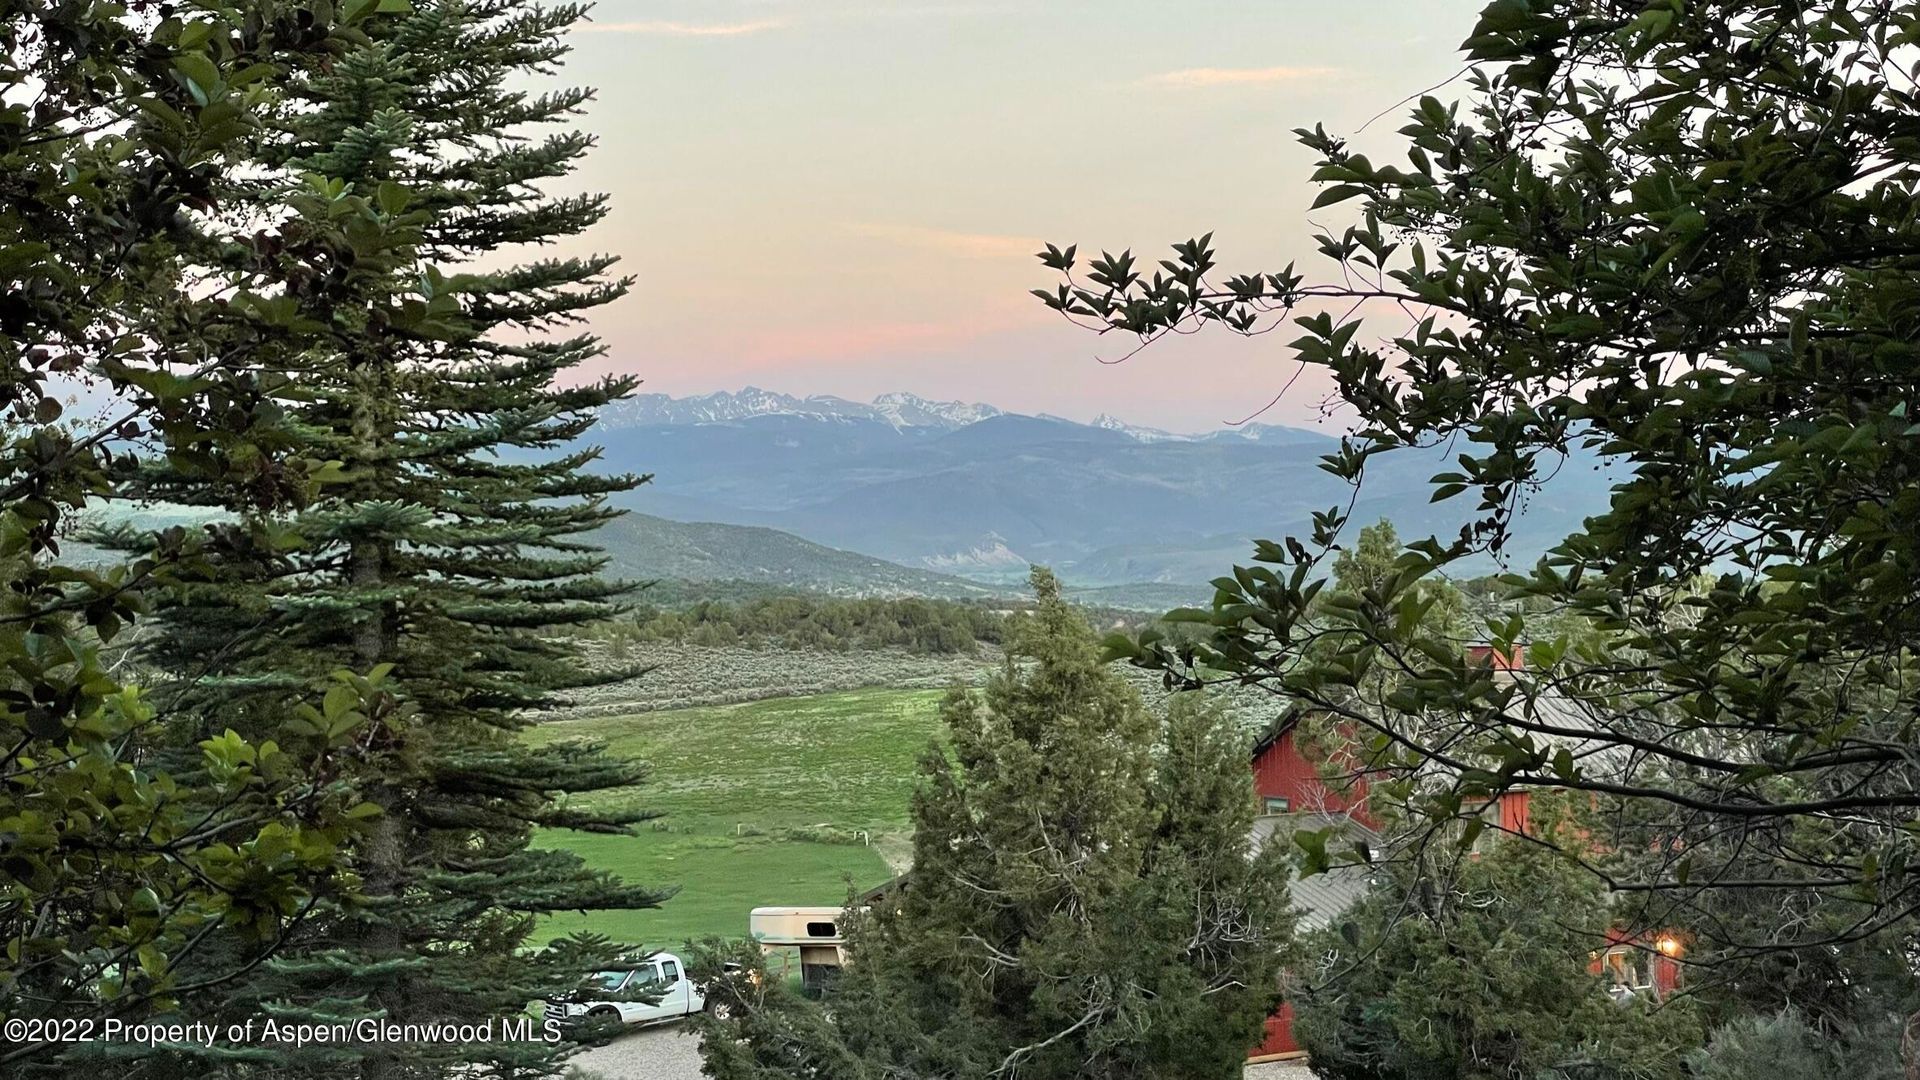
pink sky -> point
(823, 198)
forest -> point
(801, 621)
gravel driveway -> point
(672, 1053)
(660, 1053)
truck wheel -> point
(600, 1025)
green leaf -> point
(392, 198)
(193, 35)
(201, 77)
(339, 701)
(1337, 193)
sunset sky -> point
(819, 197)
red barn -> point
(1301, 784)
(1296, 792)
(1288, 781)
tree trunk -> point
(383, 854)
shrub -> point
(1785, 1047)
(1480, 972)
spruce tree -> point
(127, 879)
(1084, 900)
(452, 545)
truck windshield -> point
(609, 980)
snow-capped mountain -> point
(1248, 432)
(899, 410)
(650, 410)
(911, 410)
(1109, 422)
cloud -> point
(946, 241)
(670, 28)
(1197, 77)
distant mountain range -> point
(970, 491)
(894, 410)
(897, 410)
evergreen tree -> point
(1784, 1046)
(1476, 967)
(449, 549)
(126, 882)
(1083, 901)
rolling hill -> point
(643, 547)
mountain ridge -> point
(978, 492)
(644, 547)
(898, 409)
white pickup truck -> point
(662, 978)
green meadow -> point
(785, 801)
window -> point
(820, 929)
(610, 980)
(1486, 833)
(1624, 968)
(669, 972)
(648, 976)
(1277, 804)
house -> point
(1303, 783)
(1295, 791)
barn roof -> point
(1586, 739)
(1547, 706)
(1287, 722)
(1319, 898)
(1324, 897)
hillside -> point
(689, 558)
(644, 547)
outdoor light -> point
(1669, 945)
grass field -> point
(747, 790)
